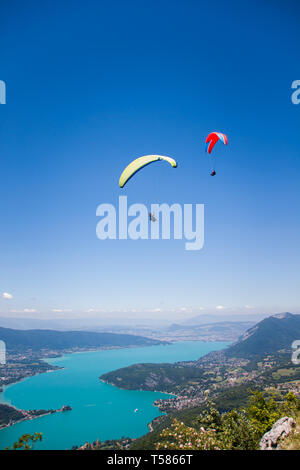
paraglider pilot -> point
(151, 217)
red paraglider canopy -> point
(213, 138)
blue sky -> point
(92, 85)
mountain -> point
(219, 318)
(270, 335)
(35, 340)
(219, 331)
(148, 376)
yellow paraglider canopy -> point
(139, 163)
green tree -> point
(290, 405)
(237, 432)
(211, 417)
(263, 411)
(26, 441)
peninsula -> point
(9, 415)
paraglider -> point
(152, 217)
(213, 138)
(211, 141)
(140, 163)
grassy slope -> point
(292, 442)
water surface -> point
(99, 411)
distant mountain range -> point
(219, 331)
(194, 329)
(35, 340)
(115, 322)
(221, 318)
(270, 335)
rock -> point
(282, 428)
(66, 408)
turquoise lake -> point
(99, 411)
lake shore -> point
(43, 357)
(104, 412)
(24, 415)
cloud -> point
(6, 295)
(99, 310)
(188, 310)
(25, 310)
(220, 307)
(60, 310)
(248, 306)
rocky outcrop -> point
(66, 408)
(282, 428)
